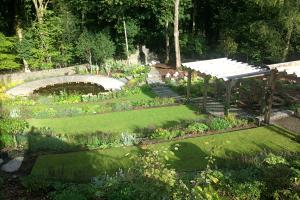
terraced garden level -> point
(190, 156)
(118, 122)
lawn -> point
(81, 166)
(117, 122)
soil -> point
(290, 123)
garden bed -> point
(146, 141)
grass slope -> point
(128, 121)
(81, 166)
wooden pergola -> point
(230, 71)
(291, 70)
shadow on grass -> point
(148, 91)
(83, 165)
(282, 131)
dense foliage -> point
(59, 33)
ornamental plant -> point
(218, 124)
(197, 128)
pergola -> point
(290, 69)
(230, 71)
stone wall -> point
(29, 76)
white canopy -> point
(291, 68)
(226, 69)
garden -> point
(149, 100)
(89, 145)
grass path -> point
(127, 121)
(81, 166)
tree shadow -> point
(147, 90)
(282, 131)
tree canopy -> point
(51, 33)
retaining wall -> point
(29, 76)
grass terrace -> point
(190, 156)
(117, 122)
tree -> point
(104, 48)
(85, 46)
(8, 60)
(176, 33)
(94, 47)
(40, 43)
(40, 8)
(288, 17)
(18, 27)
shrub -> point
(128, 139)
(197, 128)
(272, 159)
(6, 140)
(218, 124)
(166, 134)
(9, 128)
(236, 122)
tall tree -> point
(18, 27)
(176, 33)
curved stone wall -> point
(28, 88)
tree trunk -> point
(126, 41)
(40, 9)
(288, 41)
(194, 17)
(19, 31)
(167, 60)
(176, 33)
(90, 58)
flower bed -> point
(89, 109)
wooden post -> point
(262, 101)
(189, 83)
(206, 84)
(269, 96)
(229, 85)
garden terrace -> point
(190, 156)
(29, 88)
(118, 122)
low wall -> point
(29, 76)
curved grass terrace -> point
(230, 148)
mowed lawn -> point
(117, 122)
(81, 166)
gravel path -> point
(290, 123)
